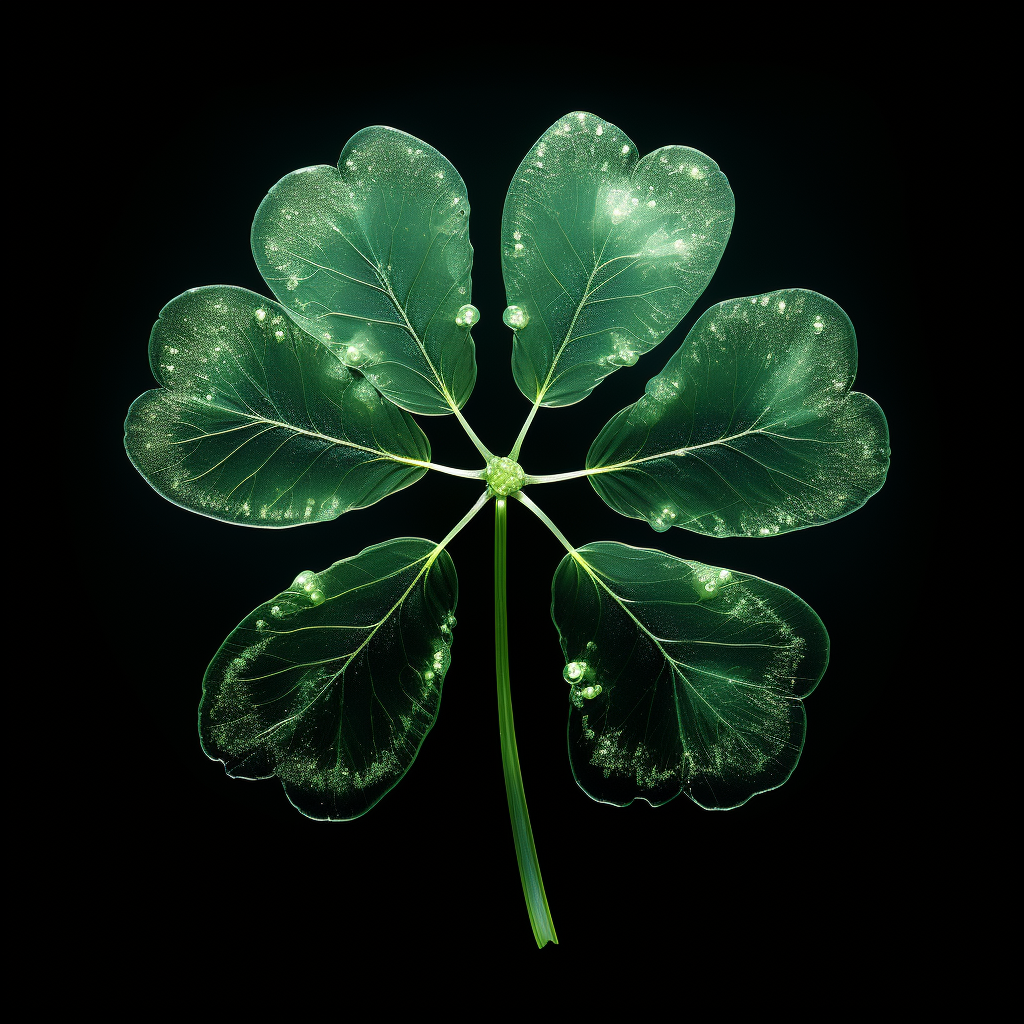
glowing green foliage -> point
(684, 677)
(751, 429)
(372, 257)
(333, 684)
(604, 252)
(258, 424)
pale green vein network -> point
(257, 423)
(752, 428)
(337, 703)
(740, 652)
(584, 218)
(732, 724)
(398, 208)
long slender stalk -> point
(526, 850)
(471, 434)
(466, 474)
(541, 515)
(552, 478)
(480, 502)
(514, 454)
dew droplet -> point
(467, 315)
(708, 581)
(316, 597)
(515, 317)
(590, 692)
(574, 671)
(623, 354)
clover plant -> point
(682, 677)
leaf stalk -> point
(542, 516)
(514, 454)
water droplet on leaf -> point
(574, 671)
(515, 317)
(467, 315)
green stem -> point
(480, 502)
(477, 443)
(466, 474)
(526, 850)
(540, 514)
(553, 478)
(514, 454)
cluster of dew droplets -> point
(467, 316)
(515, 317)
(437, 667)
(622, 353)
(307, 583)
(578, 674)
(357, 351)
(664, 519)
(621, 204)
(708, 581)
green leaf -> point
(258, 424)
(751, 429)
(373, 258)
(333, 685)
(604, 253)
(686, 678)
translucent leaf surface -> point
(258, 424)
(685, 678)
(373, 258)
(751, 429)
(604, 253)
(333, 684)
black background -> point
(222, 880)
